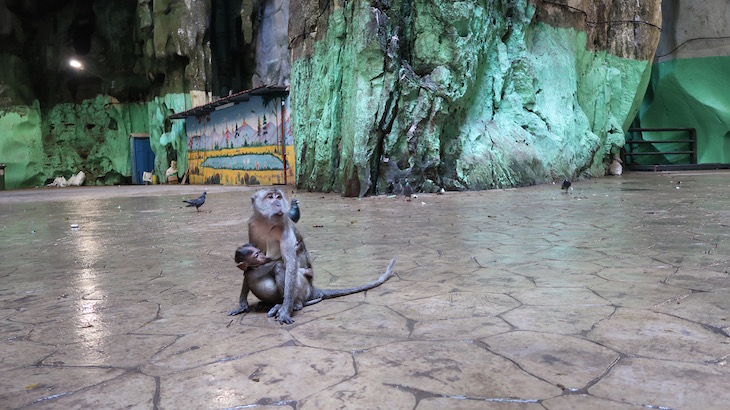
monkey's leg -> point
(242, 300)
(298, 305)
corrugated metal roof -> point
(243, 96)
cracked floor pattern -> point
(612, 296)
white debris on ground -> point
(75, 180)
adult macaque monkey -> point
(272, 231)
(265, 279)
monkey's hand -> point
(242, 309)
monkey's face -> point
(256, 258)
(270, 203)
(248, 256)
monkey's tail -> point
(321, 294)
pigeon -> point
(294, 211)
(407, 189)
(197, 202)
(566, 185)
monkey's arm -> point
(289, 253)
(242, 299)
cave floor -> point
(612, 296)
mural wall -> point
(242, 144)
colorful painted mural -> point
(242, 144)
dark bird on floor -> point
(197, 202)
(294, 211)
(407, 189)
(566, 185)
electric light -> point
(75, 64)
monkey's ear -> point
(242, 266)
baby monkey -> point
(265, 279)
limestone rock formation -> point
(465, 94)
(460, 95)
(142, 61)
(272, 44)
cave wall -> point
(688, 80)
(38, 145)
(464, 95)
(460, 95)
(143, 60)
(272, 44)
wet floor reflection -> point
(525, 294)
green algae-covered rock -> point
(142, 61)
(92, 137)
(465, 94)
(21, 145)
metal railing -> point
(629, 152)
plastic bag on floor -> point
(59, 182)
(172, 170)
(77, 180)
(616, 168)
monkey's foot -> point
(274, 311)
(280, 315)
(284, 318)
(242, 309)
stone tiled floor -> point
(614, 296)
